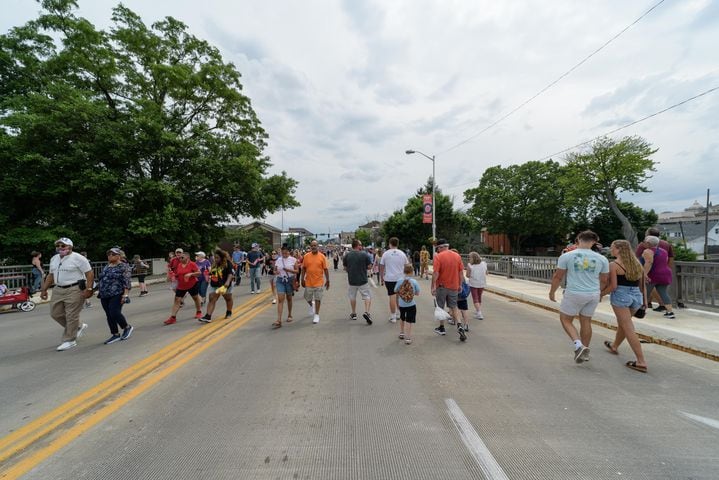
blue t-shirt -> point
(237, 256)
(252, 256)
(583, 268)
(414, 283)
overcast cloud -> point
(345, 87)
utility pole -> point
(706, 229)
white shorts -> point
(362, 289)
(583, 304)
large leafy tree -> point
(598, 176)
(406, 224)
(521, 201)
(139, 136)
(609, 228)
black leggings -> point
(113, 311)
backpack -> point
(406, 291)
(464, 291)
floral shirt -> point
(114, 279)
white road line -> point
(706, 421)
(489, 466)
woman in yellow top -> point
(424, 263)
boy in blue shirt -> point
(407, 288)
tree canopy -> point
(138, 136)
(521, 201)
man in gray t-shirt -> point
(356, 263)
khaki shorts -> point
(314, 293)
(583, 304)
(363, 290)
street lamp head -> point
(409, 152)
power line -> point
(496, 122)
(706, 92)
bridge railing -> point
(16, 276)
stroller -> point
(18, 298)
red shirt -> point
(181, 270)
(447, 270)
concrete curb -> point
(647, 332)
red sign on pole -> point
(427, 209)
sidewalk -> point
(693, 331)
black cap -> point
(441, 242)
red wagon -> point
(19, 297)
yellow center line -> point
(33, 460)
(25, 436)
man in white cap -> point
(72, 277)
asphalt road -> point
(344, 400)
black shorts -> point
(390, 287)
(462, 304)
(193, 291)
(408, 314)
(141, 278)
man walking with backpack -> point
(407, 288)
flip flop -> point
(276, 325)
(611, 349)
(633, 365)
(289, 320)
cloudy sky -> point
(345, 87)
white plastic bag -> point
(440, 314)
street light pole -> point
(434, 205)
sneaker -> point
(392, 319)
(585, 354)
(144, 294)
(479, 316)
(112, 339)
(257, 291)
(81, 330)
(660, 308)
(198, 314)
(579, 354)
(316, 319)
(67, 345)
(88, 305)
(451, 321)
(440, 330)
(127, 331)
(353, 316)
(669, 315)
(466, 327)
(401, 335)
(407, 341)
(461, 332)
(228, 314)
(252, 292)
(312, 309)
(367, 317)
(274, 301)
(206, 319)
(170, 321)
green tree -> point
(597, 177)
(363, 236)
(139, 136)
(520, 201)
(406, 223)
(608, 226)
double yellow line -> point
(148, 371)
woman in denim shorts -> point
(626, 284)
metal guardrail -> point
(695, 284)
(16, 276)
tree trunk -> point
(627, 229)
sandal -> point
(633, 365)
(289, 319)
(276, 325)
(610, 347)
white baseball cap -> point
(65, 241)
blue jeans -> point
(36, 280)
(254, 278)
(113, 311)
(202, 285)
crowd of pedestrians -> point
(585, 275)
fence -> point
(16, 276)
(695, 284)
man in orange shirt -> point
(446, 283)
(315, 278)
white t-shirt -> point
(70, 269)
(394, 261)
(478, 275)
(281, 263)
